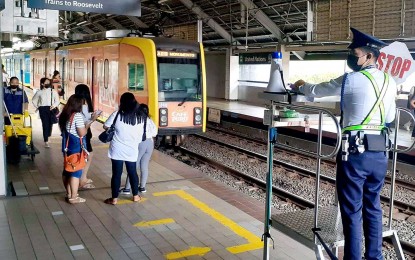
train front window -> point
(135, 77)
(179, 81)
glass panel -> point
(79, 70)
(179, 80)
(106, 72)
(135, 77)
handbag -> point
(75, 161)
(53, 112)
(108, 134)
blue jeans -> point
(117, 166)
(359, 182)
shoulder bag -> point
(53, 112)
(75, 161)
(108, 134)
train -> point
(167, 74)
(17, 64)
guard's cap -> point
(362, 39)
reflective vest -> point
(377, 106)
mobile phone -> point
(98, 112)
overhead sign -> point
(255, 58)
(396, 60)
(121, 7)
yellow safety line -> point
(254, 242)
(122, 201)
(200, 251)
(154, 222)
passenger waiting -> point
(129, 123)
(15, 99)
(145, 149)
(45, 100)
(73, 127)
(57, 84)
(87, 110)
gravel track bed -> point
(401, 194)
(259, 135)
(236, 184)
(286, 180)
(289, 181)
(301, 161)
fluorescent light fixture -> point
(81, 23)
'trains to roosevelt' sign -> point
(122, 7)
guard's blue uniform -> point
(361, 177)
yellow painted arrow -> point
(154, 222)
(200, 251)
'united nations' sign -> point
(121, 7)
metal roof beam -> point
(262, 18)
(87, 30)
(212, 23)
(99, 26)
(115, 23)
(137, 22)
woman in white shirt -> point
(73, 127)
(45, 100)
(129, 122)
(145, 150)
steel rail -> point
(401, 183)
(304, 172)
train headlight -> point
(163, 115)
(197, 116)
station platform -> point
(244, 111)
(183, 215)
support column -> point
(285, 62)
(232, 76)
(3, 169)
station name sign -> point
(255, 58)
(121, 7)
(176, 54)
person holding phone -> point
(87, 112)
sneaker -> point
(142, 189)
(47, 145)
(407, 127)
(125, 191)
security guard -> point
(368, 105)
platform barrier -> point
(299, 225)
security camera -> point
(65, 34)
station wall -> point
(215, 74)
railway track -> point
(301, 171)
(302, 203)
(398, 182)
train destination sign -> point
(255, 58)
(176, 54)
(396, 60)
(121, 7)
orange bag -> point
(76, 161)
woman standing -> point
(57, 84)
(145, 150)
(73, 127)
(87, 109)
(45, 100)
(128, 123)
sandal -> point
(76, 200)
(110, 201)
(136, 198)
(89, 181)
(67, 197)
(87, 186)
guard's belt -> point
(373, 143)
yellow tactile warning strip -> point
(254, 242)
(154, 222)
(200, 251)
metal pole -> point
(3, 169)
(317, 191)
(272, 132)
(199, 30)
(395, 155)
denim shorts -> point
(76, 174)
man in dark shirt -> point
(15, 99)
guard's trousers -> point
(359, 182)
